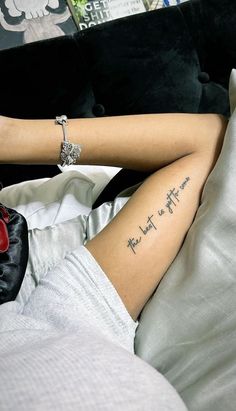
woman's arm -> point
(138, 245)
(143, 142)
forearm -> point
(144, 142)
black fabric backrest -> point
(176, 59)
(150, 63)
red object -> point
(4, 238)
(5, 214)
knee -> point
(216, 133)
(213, 136)
(213, 142)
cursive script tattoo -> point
(184, 183)
(149, 225)
(172, 200)
(132, 243)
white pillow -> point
(50, 201)
(100, 175)
(187, 330)
(46, 201)
(232, 92)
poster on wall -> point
(26, 21)
(88, 13)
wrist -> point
(9, 131)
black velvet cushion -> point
(42, 80)
(149, 63)
(176, 59)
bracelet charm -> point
(70, 152)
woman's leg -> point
(138, 246)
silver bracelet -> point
(70, 152)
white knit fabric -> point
(75, 293)
(70, 347)
(77, 371)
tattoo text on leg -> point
(172, 199)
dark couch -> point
(176, 59)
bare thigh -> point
(136, 248)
